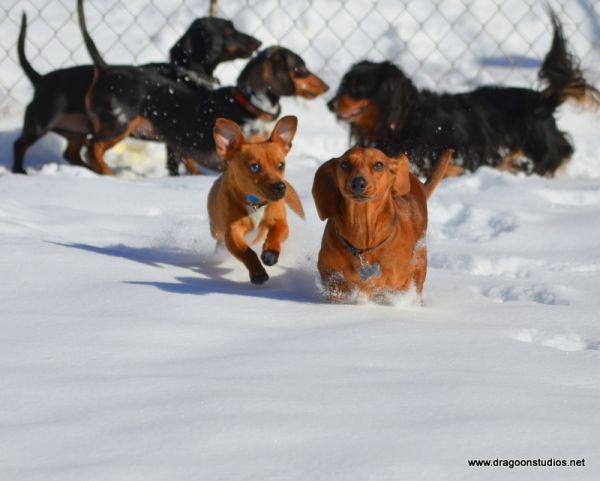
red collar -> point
(245, 103)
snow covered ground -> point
(129, 350)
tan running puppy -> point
(251, 194)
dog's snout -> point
(358, 185)
(278, 189)
(254, 43)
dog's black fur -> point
(183, 118)
(208, 42)
(485, 127)
(58, 104)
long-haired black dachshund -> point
(504, 127)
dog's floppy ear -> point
(181, 53)
(396, 96)
(325, 190)
(293, 201)
(400, 167)
(207, 46)
(276, 72)
(177, 53)
(199, 46)
(284, 131)
(228, 137)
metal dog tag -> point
(367, 270)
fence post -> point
(212, 12)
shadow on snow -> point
(295, 284)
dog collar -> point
(242, 99)
(366, 270)
(254, 202)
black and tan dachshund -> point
(183, 117)
(504, 127)
(58, 103)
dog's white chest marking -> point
(256, 215)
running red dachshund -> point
(251, 194)
(376, 212)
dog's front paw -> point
(269, 257)
(259, 278)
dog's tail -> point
(439, 172)
(562, 74)
(32, 75)
(89, 43)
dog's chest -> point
(256, 215)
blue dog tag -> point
(366, 270)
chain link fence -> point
(447, 44)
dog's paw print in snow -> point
(560, 341)
(473, 224)
(540, 294)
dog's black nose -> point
(331, 104)
(254, 43)
(278, 189)
(358, 185)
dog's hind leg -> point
(30, 134)
(19, 148)
(107, 137)
(72, 153)
(420, 272)
(548, 148)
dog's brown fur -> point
(387, 221)
(230, 211)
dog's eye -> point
(280, 166)
(300, 71)
(378, 165)
(345, 165)
(255, 168)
